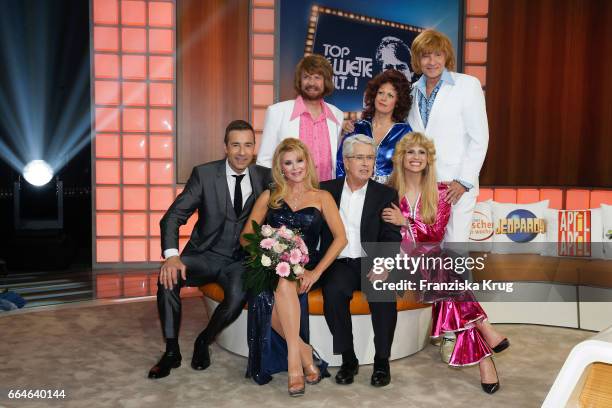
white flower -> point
(267, 230)
(265, 260)
(279, 248)
(298, 270)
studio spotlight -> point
(37, 172)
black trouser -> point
(202, 269)
(341, 279)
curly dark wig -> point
(402, 87)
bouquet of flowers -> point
(273, 253)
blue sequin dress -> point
(267, 349)
(384, 152)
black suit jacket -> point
(373, 228)
(206, 191)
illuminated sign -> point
(574, 237)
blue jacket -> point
(384, 153)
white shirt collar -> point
(421, 84)
(230, 172)
(361, 190)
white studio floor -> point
(100, 354)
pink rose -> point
(295, 256)
(284, 257)
(305, 259)
(267, 243)
(303, 247)
(285, 233)
(283, 269)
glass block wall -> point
(263, 41)
(133, 77)
(475, 41)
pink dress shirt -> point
(315, 134)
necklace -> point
(293, 199)
(293, 202)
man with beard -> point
(308, 118)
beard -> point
(307, 93)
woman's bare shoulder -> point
(325, 198)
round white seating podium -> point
(411, 332)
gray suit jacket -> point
(206, 191)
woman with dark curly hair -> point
(387, 101)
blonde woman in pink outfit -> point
(423, 214)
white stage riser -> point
(411, 335)
(550, 311)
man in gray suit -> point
(223, 192)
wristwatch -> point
(463, 185)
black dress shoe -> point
(170, 360)
(490, 388)
(201, 356)
(381, 376)
(504, 344)
(347, 373)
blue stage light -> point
(44, 88)
(37, 172)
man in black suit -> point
(361, 202)
(223, 192)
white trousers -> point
(460, 222)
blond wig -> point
(432, 41)
(280, 190)
(429, 186)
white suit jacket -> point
(278, 126)
(459, 128)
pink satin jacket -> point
(419, 231)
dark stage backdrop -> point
(213, 77)
(45, 99)
(549, 93)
